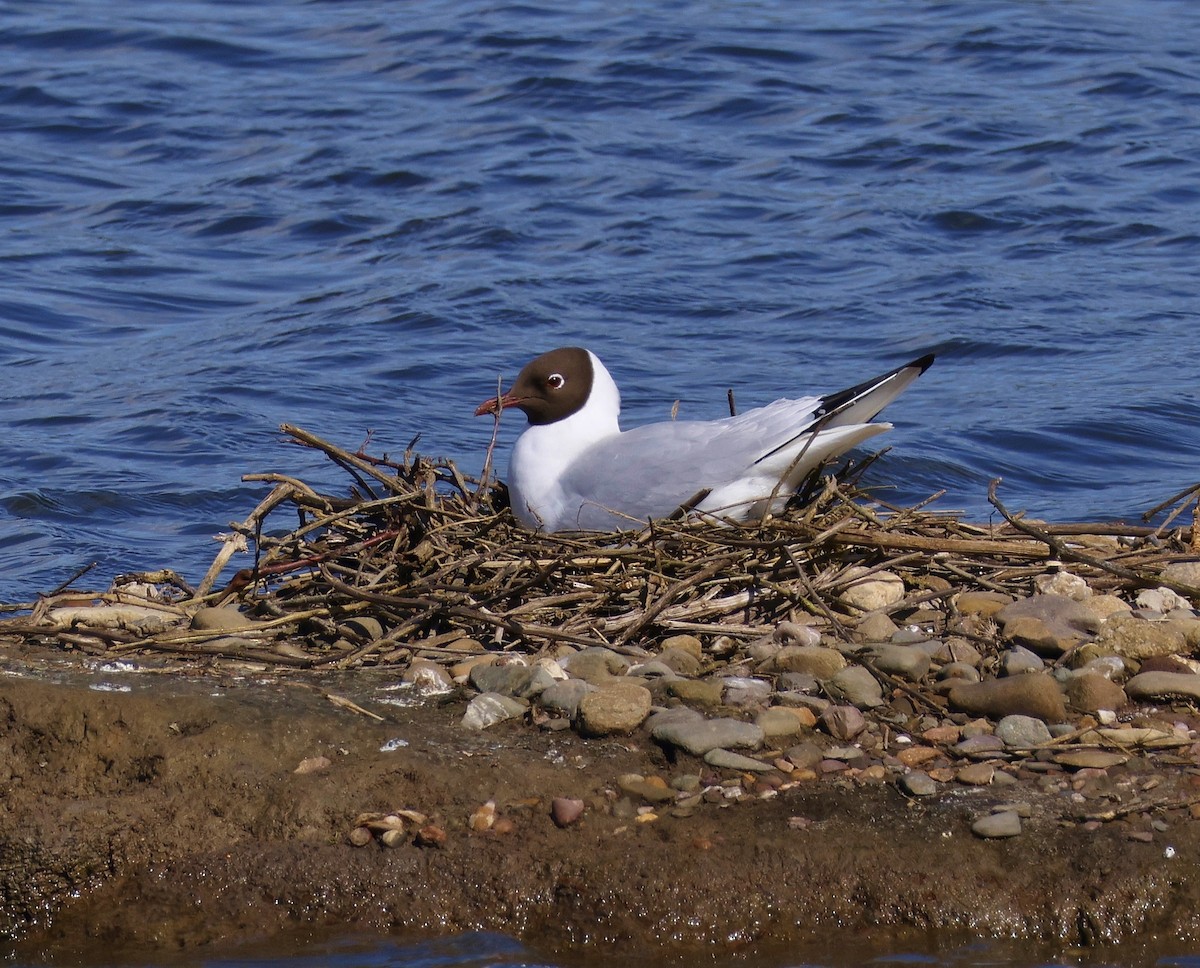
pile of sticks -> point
(432, 558)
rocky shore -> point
(997, 766)
(692, 740)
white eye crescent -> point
(555, 381)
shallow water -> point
(354, 217)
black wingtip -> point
(924, 362)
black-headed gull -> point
(574, 469)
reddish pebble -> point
(565, 811)
(431, 835)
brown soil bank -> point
(173, 816)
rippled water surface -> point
(354, 216)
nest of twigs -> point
(419, 557)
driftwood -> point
(432, 557)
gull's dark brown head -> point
(549, 388)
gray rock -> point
(728, 760)
(875, 591)
(745, 691)
(427, 678)
(856, 686)
(843, 722)
(805, 756)
(1035, 694)
(918, 784)
(215, 619)
(653, 669)
(594, 664)
(986, 604)
(959, 670)
(684, 643)
(1154, 686)
(983, 746)
(699, 692)
(1022, 732)
(876, 627)
(563, 697)
(1131, 637)
(1018, 660)
(690, 731)
(793, 633)
(680, 661)
(802, 700)
(811, 660)
(903, 661)
(1006, 823)
(617, 707)
(491, 708)
(521, 681)
(777, 723)
(1089, 693)
(1048, 624)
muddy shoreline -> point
(171, 817)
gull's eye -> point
(555, 381)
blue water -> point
(353, 216)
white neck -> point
(550, 449)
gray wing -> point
(648, 472)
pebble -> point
(216, 618)
(1034, 694)
(519, 681)
(1090, 759)
(805, 756)
(491, 708)
(684, 643)
(986, 604)
(1063, 583)
(783, 722)
(918, 784)
(565, 811)
(793, 633)
(875, 591)
(843, 722)
(619, 707)
(982, 746)
(1049, 624)
(1006, 823)
(1161, 600)
(1022, 732)
(427, 678)
(680, 661)
(1018, 660)
(977, 774)
(637, 786)
(1154, 686)
(745, 691)
(903, 661)
(959, 671)
(728, 760)
(564, 697)
(701, 692)
(876, 627)
(595, 665)
(1134, 638)
(1184, 572)
(690, 731)
(1089, 693)
(431, 835)
(856, 686)
(812, 660)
